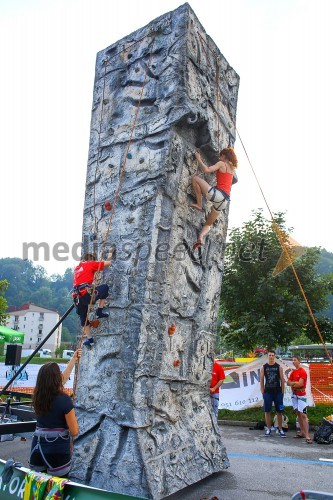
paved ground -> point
(261, 468)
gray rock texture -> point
(142, 399)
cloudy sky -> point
(281, 50)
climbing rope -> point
(98, 148)
(106, 63)
(322, 393)
(121, 175)
(217, 103)
(274, 224)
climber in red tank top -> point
(219, 194)
(224, 181)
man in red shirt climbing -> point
(218, 376)
(84, 275)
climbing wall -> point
(142, 400)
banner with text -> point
(241, 388)
(27, 378)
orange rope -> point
(98, 148)
(106, 63)
(274, 224)
(285, 249)
(122, 170)
(217, 104)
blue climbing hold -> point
(129, 156)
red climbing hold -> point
(107, 206)
(172, 329)
(176, 362)
(94, 323)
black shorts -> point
(101, 292)
(54, 456)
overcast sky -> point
(280, 48)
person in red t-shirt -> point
(84, 275)
(297, 381)
(219, 195)
(218, 376)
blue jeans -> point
(269, 398)
(214, 399)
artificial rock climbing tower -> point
(142, 400)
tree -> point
(260, 309)
(66, 335)
(3, 303)
(60, 349)
(29, 283)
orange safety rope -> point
(275, 225)
(217, 104)
(122, 170)
(98, 148)
(285, 249)
(322, 393)
(106, 63)
(217, 86)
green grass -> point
(315, 414)
(37, 360)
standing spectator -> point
(272, 389)
(218, 376)
(297, 381)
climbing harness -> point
(50, 436)
(218, 204)
(80, 290)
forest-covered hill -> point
(30, 283)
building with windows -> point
(36, 323)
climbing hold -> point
(107, 206)
(172, 329)
(129, 156)
(176, 362)
(93, 237)
(94, 323)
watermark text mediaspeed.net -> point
(63, 252)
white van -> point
(45, 353)
(67, 353)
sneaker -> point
(89, 342)
(268, 432)
(101, 314)
(281, 433)
(273, 428)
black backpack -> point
(324, 434)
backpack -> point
(260, 425)
(285, 421)
(324, 434)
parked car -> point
(45, 353)
(67, 353)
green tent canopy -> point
(11, 336)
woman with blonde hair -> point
(56, 420)
(219, 194)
